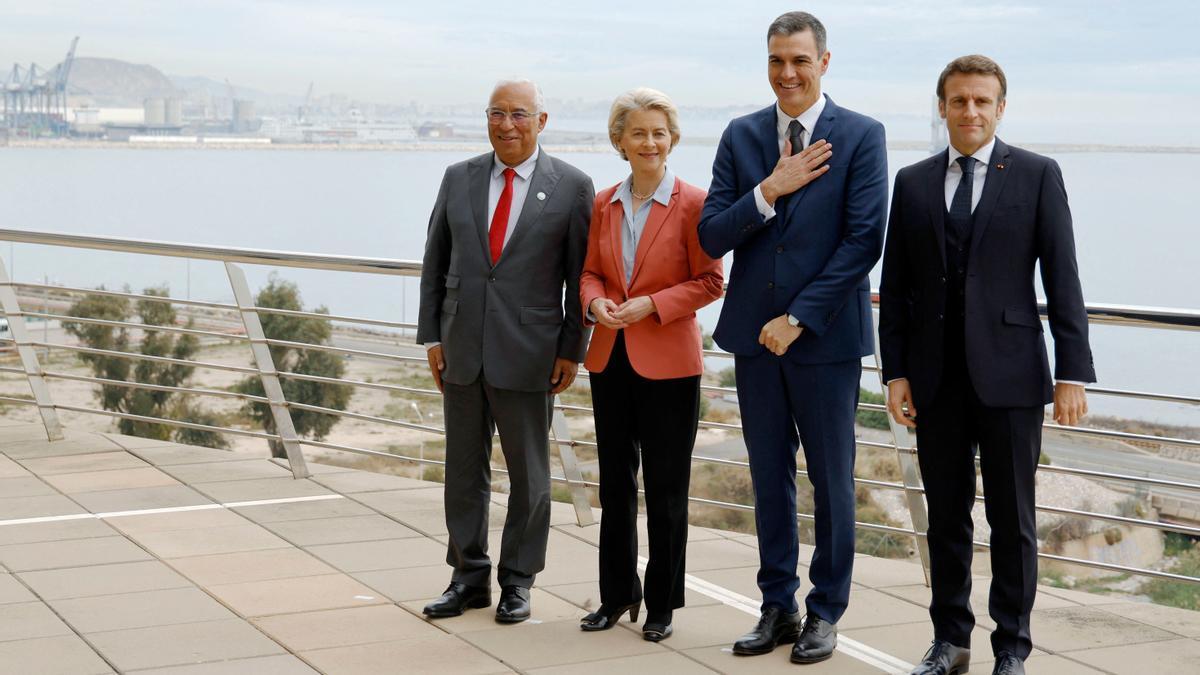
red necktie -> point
(500, 217)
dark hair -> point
(798, 22)
(972, 64)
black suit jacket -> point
(1021, 219)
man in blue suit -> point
(799, 194)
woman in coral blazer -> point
(643, 280)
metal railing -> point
(285, 434)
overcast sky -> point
(1079, 70)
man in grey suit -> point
(508, 231)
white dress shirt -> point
(520, 190)
(954, 173)
(808, 119)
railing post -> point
(266, 371)
(566, 453)
(29, 361)
(910, 472)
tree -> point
(279, 294)
(137, 401)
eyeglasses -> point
(496, 116)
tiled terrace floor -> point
(335, 584)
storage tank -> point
(173, 112)
(155, 111)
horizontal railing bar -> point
(334, 317)
(1141, 571)
(344, 350)
(376, 453)
(1169, 318)
(248, 256)
(1164, 317)
(365, 418)
(146, 357)
(23, 401)
(1122, 435)
(357, 383)
(130, 324)
(1182, 529)
(1145, 395)
(1054, 468)
(165, 421)
(156, 387)
(131, 296)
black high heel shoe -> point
(657, 628)
(605, 618)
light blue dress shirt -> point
(633, 223)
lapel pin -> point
(541, 196)
(999, 166)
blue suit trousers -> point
(784, 406)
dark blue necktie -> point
(960, 206)
(796, 136)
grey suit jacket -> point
(507, 321)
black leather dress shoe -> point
(514, 604)
(817, 640)
(657, 627)
(944, 658)
(1007, 663)
(457, 598)
(606, 617)
(775, 627)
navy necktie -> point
(960, 205)
(796, 136)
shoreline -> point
(480, 146)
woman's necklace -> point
(646, 196)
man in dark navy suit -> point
(961, 341)
(799, 194)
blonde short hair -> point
(642, 98)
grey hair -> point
(798, 22)
(642, 98)
(539, 101)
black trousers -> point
(1008, 441)
(656, 418)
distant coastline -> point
(551, 144)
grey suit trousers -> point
(472, 412)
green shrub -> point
(872, 419)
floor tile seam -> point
(1144, 623)
(113, 595)
(352, 497)
(445, 633)
(494, 657)
(95, 471)
(69, 626)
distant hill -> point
(114, 83)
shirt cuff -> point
(764, 209)
(1082, 384)
(431, 345)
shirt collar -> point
(983, 155)
(662, 195)
(524, 169)
(808, 118)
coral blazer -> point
(669, 266)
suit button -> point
(940, 317)
(491, 278)
(942, 279)
(779, 249)
(770, 284)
